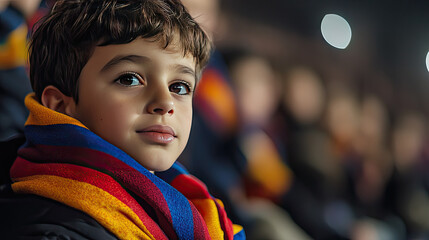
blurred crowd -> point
(293, 148)
(297, 148)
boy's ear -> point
(54, 99)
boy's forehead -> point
(138, 52)
(174, 46)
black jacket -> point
(32, 217)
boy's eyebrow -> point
(142, 59)
(184, 69)
(118, 59)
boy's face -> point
(138, 97)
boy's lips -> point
(158, 134)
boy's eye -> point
(129, 79)
(180, 88)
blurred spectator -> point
(206, 13)
(258, 97)
(373, 165)
(407, 189)
(369, 172)
(309, 146)
(342, 121)
(14, 82)
(266, 174)
(317, 176)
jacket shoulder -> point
(34, 217)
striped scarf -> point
(64, 161)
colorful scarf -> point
(64, 161)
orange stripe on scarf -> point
(44, 115)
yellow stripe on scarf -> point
(41, 115)
(237, 228)
(99, 204)
(208, 210)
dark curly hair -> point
(64, 40)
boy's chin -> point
(158, 167)
(154, 159)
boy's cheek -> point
(186, 119)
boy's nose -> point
(165, 109)
(161, 104)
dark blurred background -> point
(389, 38)
(334, 140)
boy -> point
(111, 113)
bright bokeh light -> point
(336, 31)
(427, 61)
